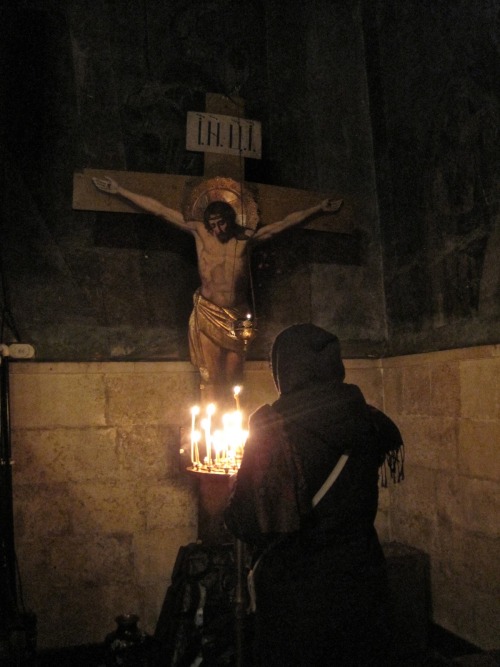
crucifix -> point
(227, 217)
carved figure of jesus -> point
(220, 303)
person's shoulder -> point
(384, 426)
(243, 233)
(351, 392)
(199, 230)
(263, 416)
(262, 412)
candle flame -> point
(223, 447)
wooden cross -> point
(274, 202)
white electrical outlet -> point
(18, 350)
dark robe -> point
(321, 582)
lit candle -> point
(236, 394)
(208, 429)
(204, 427)
(217, 440)
(196, 440)
(223, 445)
(226, 433)
(195, 410)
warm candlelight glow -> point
(219, 450)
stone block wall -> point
(101, 504)
(102, 507)
(447, 405)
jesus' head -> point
(220, 220)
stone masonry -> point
(102, 506)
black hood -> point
(304, 354)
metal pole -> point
(240, 602)
(8, 560)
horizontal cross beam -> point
(275, 202)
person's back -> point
(321, 585)
(330, 575)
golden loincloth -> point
(217, 323)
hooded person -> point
(320, 579)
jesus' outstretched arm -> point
(266, 232)
(148, 204)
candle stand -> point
(214, 490)
(212, 457)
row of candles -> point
(217, 450)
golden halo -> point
(225, 189)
